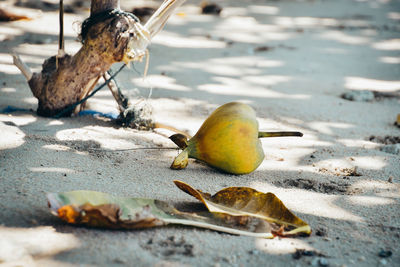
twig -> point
(61, 36)
(61, 51)
(26, 71)
(116, 92)
(88, 90)
(136, 148)
(69, 108)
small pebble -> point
(309, 253)
(211, 8)
(254, 252)
(390, 180)
(359, 96)
(392, 149)
(362, 258)
(320, 262)
(301, 252)
(383, 262)
(119, 261)
(385, 253)
(323, 262)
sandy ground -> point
(291, 61)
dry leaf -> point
(235, 210)
(103, 210)
(98, 209)
(244, 202)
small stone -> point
(385, 253)
(392, 149)
(213, 9)
(320, 262)
(323, 262)
(359, 96)
(383, 262)
(361, 258)
(297, 255)
(309, 253)
(390, 180)
(119, 261)
(254, 252)
(327, 239)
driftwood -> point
(115, 37)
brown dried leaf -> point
(102, 210)
(98, 209)
(235, 210)
(242, 202)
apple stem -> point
(180, 140)
(278, 134)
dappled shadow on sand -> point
(291, 62)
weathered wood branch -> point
(25, 70)
(57, 88)
(115, 37)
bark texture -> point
(60, 85)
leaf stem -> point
(217, 228)
(279, 134)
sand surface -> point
(291, 61)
